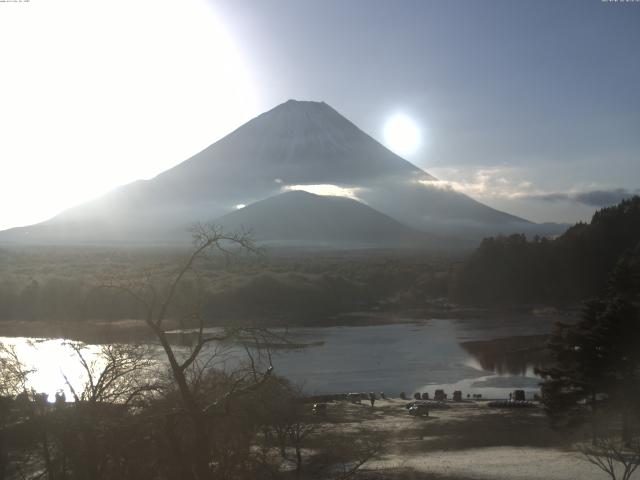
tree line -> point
(568, 269)
(49, 286)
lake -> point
(412, 357)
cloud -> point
(325, 189)
(502, 183)
(593, 198)
(548, 197)
(601, 198)
(483, 183)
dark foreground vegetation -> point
(121, 428)
(595, 377)
(597, 359)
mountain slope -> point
(294, 145)
(304, 219)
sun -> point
(402, 135)
(104, 93)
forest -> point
(59, 285)
(562, 271)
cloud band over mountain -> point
(592, 198)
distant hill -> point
(303, 219)
(571, 268)
(293, 146)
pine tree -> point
(597, 360)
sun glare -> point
(401, 135)
(97, 94)
(324, 190)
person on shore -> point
(372, 398)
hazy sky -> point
(531, 107)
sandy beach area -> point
(468, 440)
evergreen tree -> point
(597, 360)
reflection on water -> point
(400, 357)
(509, 356)
(50, 361)
(390, 358)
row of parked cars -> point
(441, 396)
(422, 404)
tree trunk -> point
(176, 447)
(298, 461)
(194, 412)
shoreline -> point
(135, 331)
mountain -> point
(299, 218)
(293, 146)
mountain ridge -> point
(295, 145)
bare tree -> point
(187, 370)
(116, 374)
(297, 432)
(362, 452)
(13, 382)
(287, 421)
(344, 457)
(13, 373)
(618, 459)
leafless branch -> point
(13, 373)
(611, 455)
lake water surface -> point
(417, 357)
(409, 357)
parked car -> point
(355, 397)
(430, 404)
(419, 410)
(319, 409)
